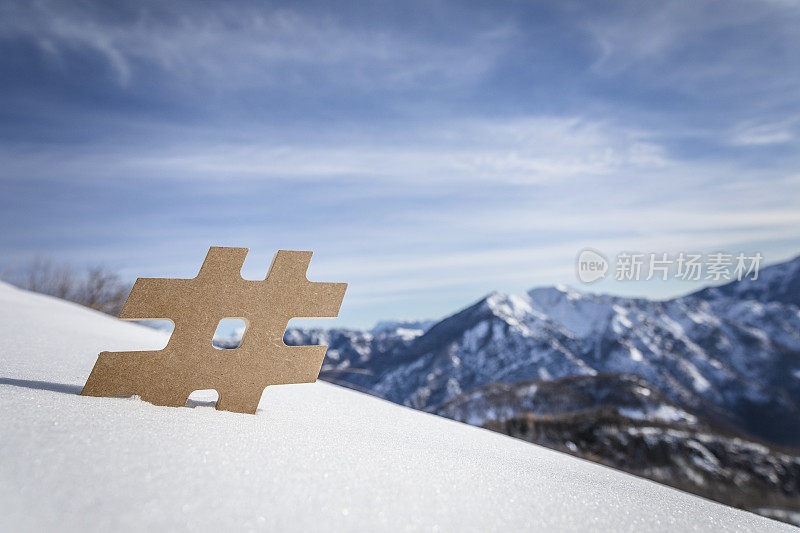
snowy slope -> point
(314, 457)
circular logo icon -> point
(591, 266)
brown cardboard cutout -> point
(195, 306)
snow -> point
(409, 334)
(663, 413)
(314, 457)
(636, 355)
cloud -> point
(526, 150)
(738, 52)
(242, 46)
(760, 134)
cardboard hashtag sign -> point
(195, 306)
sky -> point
(427, 152)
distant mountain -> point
(729, 354)
(777, 283)
(412, 328)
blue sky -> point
(427, 152)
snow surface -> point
(314, 457)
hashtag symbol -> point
(195, 306)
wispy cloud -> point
(237, 45)
(760, 133)
(520, 150)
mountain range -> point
(730, 354)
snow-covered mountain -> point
(730, 354)
(314, 457)
(777, 283)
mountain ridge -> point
(713, 352)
